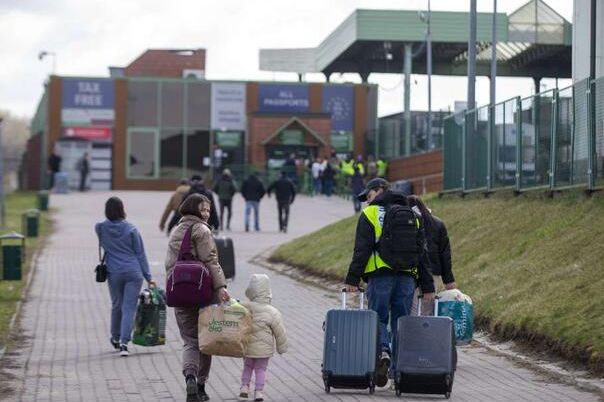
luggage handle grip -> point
(419, 305)
(362, 298)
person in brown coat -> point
(195, 211)
(173, 204)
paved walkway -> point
(64, 354)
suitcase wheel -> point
(327, 389)
(398, 391)
(371, 388)
(447, 395)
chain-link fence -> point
(554, 139)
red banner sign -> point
(90, 133)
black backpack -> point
(399, 245)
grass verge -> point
(11, 292)
(534, 266)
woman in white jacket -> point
(267, 328)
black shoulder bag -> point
(101, 269)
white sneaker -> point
(124, 350)
(258, 396)
(244, 392)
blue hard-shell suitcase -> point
(426, 358)
(350, 348)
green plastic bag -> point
(150, 322)
(462, 314)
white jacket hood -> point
(259, 289)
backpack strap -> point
(185, 245)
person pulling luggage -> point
(390, 254)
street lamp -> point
(45, 53)
(426, 18)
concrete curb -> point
(543, 367)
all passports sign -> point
(283, 98)
(88, 101)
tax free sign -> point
(88, 101)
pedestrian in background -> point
(83, 166)
(252, 191)
(127, 265)
(328, 177)
(267, 329)
(195, 211)
(225, 188)
(285, 192)
(173, 204)
(198, 187)
(372, 169)
(316, 171)
(357, 185)
(54, 166)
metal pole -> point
(494, 54)
(429, 68)
(407, 117)
(472, 57)
(1, 176)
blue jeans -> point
(391, 297)
(316, 185)
(328, 187)
(249, 205)
(124, 289)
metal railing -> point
(552, 140)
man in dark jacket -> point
(225, 188)
(198, 187)
(54, 167)
(252, 191)
(389, 291)
(285, 192)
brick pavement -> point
(64, 353)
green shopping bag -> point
(150, 322)
(462, 314)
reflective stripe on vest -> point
(375, 215)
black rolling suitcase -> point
(226, 255)
(350, 348)
(426, 357)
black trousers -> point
(228, 205)
(83, 176)
(283, 208)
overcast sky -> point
(89, 35)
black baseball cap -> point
(372, 184)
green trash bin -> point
(43, 200)
(13, 255)
(31, 222)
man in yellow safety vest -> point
(390, 254)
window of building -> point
(142, 103)
(172, 104)
(341, 141)
(141, 157)
(198, 151)
(172, 145)
(198, 105)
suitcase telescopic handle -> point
(361, 298)
(419, 305)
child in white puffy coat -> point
(267, 329)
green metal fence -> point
(554, 140)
